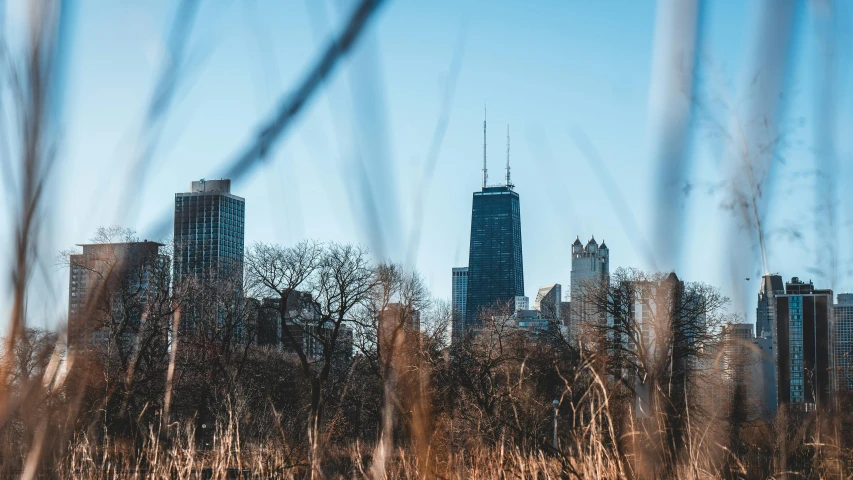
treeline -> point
(317, 362)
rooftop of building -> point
(210, 187)
(120, 248)
(497, 190)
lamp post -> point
(556, 404)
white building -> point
(522, 303)
(590, 266)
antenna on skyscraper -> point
(485, 173)
(508, 181)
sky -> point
(546, 71)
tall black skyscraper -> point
(495, 270)
(209, 231)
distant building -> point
(843, 341)
(737, 341)
(459, 297)
(762, 379)
(209, 231)
(803, 346)
(495, 266)
(655, 303)
(531, 320)
(134, 270)
(495, 270)
(765, 313)
(549, 301)
(748, 360)
(590, 267)
(522, 303)
(737, 357)
(302, 321)
(399, 316)
(398, 331)
(566, 313)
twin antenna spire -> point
(485, 169)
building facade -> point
(842, 316)
(549, 301)
(762, 378)
(737, 343)
(209, 231)
(765, 313)
(458, 299)
(136, 271)
(590, 267)
(495, 269)
(803, 346)
(748, 361)
(300, 329)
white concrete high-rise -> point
(590, 267)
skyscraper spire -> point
(508, 181)
(485, 172)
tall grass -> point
(412, 406)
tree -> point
(122, 324)
(339, 279)
(657, 330)
(390, 339)
(213, 347)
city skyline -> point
(769, 288)
(335, 239)
(299, 190)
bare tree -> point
(215, 342)
(390, 340)
(339, 279)
(122, 323)
(657, 330)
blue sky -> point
(546, 69)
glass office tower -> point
(842, 341)
(460, 296)
(209, 231)
(495, 271)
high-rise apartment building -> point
(495, 268)
(458, 299)
(549, 301)
(803, 346)
(136, 271)
(737, 345)
(748, 360)
(763, 378)
(303, 323)
(209, 231)
(842, 316)
(566, 313)
(590, 267)
(765, 313)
